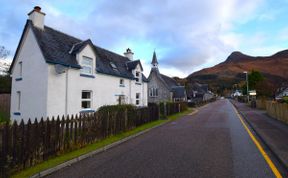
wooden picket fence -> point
(169, 108)
(274, 109)
(5, 102)
(278, 111)
(4, 107)
(24, 145)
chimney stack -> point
(37, 17)
(129, 54)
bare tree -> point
(4, 53)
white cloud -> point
(187, 34)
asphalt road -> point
(211, 143)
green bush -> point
(285, 99)
(5, 84)
(111, 108)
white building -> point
(282, 94)
(236, 93)
(57, 74)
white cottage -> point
(56, 74)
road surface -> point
(211, 143)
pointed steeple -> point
(154, 61)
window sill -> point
(17, 114)
(138, 83)
(121, 85)
(87, 111)
(153, 96)
(87, 75)
(18, 79)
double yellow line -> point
(258, 145)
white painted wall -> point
(43, 91)
(33, 86)
(105, 89)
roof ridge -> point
(167, 76)
(138, 60)
(45, 26)
(80, 40)
(110, 51)
(73, 46)
(79, 43)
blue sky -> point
(187, 35)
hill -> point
(224, 75)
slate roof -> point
(169, 81)
(201, 89)
(79, 46)
(132, 64)
(60, 48)
(171, 84)
(178, 92)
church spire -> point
(154, 61)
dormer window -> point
(87, 66)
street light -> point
(245, 72)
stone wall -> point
(163, 93)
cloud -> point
(186, 34)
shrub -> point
(4, 117)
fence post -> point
(165, 110)
(126, 120)
(1, 152)
(4, 164)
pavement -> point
(211, 143)
(272, 132)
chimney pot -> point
(37, 8)
(129, 54)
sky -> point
(187, 35)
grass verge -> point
(76, 153)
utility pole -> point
(247, 84)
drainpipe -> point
(130, 101)
(66, 92)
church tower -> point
(154, 61)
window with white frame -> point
(20, 69)
(18, 100)
(153, 92)
(137, 76)
(86, 99)
(87, 65)
(137, 99)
